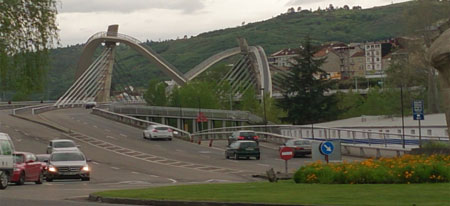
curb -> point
(112, 200)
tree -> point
(27, 29)
(304, 89)
(156, 93)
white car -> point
(158, 132)
(68, 165)
(6, 159)
(62, 145)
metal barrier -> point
(136, 122)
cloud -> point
(127, 6)
(300, 2)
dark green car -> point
(243, 149)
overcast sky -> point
(169, 19)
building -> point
(283, 58)
(358, 64)
(375, 64)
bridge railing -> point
(136, 122)
(349, 136)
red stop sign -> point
(286, 153)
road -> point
(121, 158)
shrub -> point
(405, 169)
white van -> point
(6, 159)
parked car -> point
(68, 165)
(90, 105)
(27, 169)
(243, 135)
(244, 148)
(6, 160)
(301, 147)
(61, 145)
(158, 132)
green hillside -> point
(286, 30)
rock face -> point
(439, 54)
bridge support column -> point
(180, 123)
(194, 126)
(105, 93)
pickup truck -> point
(6, 160)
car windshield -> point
(63, 144)
(67, 157)
(301, 142)
(42, 158)
(247, 134)
(161, 128)
(245, 145)
(18, 158)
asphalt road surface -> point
(122, 159)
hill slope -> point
(283, 31)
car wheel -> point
(143, 135)
(247, 158)
(226, 156)
(3, 181)
(41, 179)
(258, 157)
(21, 180)
(85, 179)
(236, 156)
(170, 139)
(49, 179)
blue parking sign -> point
(417, 108)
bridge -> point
(93, 76)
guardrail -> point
(139, 123)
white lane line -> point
(107, 130)
(111, 137)
(96, 163)
(26, 134)
(6, 126)
(95, 126)
(115, 168)
(279, 159)
(135, 173)
(123, 135)
(16, 130)
(264, 165)
(178, 150)
(172, 180)
(19, 140)
(155, 176)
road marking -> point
(172, 180)
(115, 168)
(6, 126)
(78, 120)
(95, 126)
(107, 130)
(155, 176)
(85, 123)
(16, 130)
(204, 152)
(111, 137)
(26, 134)
(96, 163)
(178, 150)
(135, 173)
(19, 140)
(123, 135)
(264, 165)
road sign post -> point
(326, 148)
(286, 153)
(417, 108)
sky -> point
(169, 19)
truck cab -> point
(6, 159)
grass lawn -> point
(289, 192)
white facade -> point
(374, 64)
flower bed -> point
(405, 169)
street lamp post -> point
(403, 118)
(264, 109)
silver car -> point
(61, 145)
(158, 132)
(68, 165)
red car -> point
(27, 169)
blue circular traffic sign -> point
(326, 148)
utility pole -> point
(264, 109)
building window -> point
(413, 131)
(378, 59)
(387, 131)
(429, 132)
(399, 131)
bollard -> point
(192, 139)
(210, 142)
(200, 140)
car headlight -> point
(51, 169)
(85, 168)
(16, 169)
